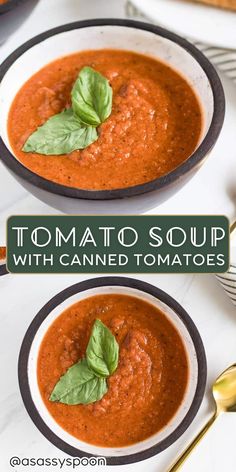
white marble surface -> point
(212, 190)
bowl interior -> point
(99, 37)
(138, 447)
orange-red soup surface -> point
(155, 124)
(148, 386)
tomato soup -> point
(155, 124)
(147, 388)
(3, 252)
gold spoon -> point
(232, 227)
(224, 393)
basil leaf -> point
(103, 350)
(79, 385)
(91, 97)
(61, 134)
(85, 381)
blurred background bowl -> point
(12, 14)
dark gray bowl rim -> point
(193, 161)
(3, 269)
(117, 282)
(10, 5)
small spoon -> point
(232, 228)
(224, 393)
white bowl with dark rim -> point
(12, 14)
(116, 34)
(27, 369)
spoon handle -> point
(181, 459)
(233, 227)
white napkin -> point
(228, 282)
(223, 59)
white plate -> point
(200, 22)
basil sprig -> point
(79, 385)
(85, 382)
(61, 134)
(75, 128)
(102, 351)
(92, 97)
